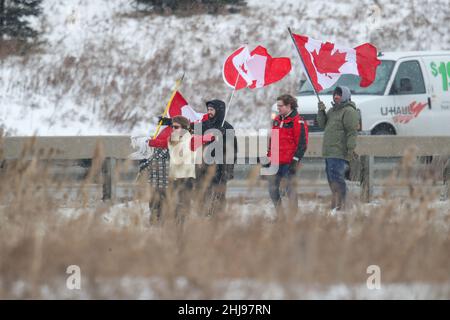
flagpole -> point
(304, 67)
(231, 99)
(177, 86)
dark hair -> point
(288, 99)
(183, 121)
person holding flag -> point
(174, 143)
(340, 126)
(324, 63)
(258, 69)
(182, 147)
(216, 166)
(215, 173)
(220, 153)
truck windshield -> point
(351, 81)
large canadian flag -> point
(254, 69)
(178, 107)
(326, 62)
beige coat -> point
(182, 158)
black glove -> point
(165, 121)
(293, 167)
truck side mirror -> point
(405, 85)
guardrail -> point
(112, 148)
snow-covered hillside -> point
(105, 69)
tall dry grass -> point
(407, 237)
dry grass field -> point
(241, 253)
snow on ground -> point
(136, 213)
(242, 289)
(121, 215)
(104, 69)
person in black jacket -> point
(213, 175)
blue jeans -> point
(335, 169)
(274, 187)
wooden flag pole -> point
(231, 99)
(177, 86)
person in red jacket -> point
(289, 140)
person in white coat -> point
(183, 149)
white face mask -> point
(177, 134)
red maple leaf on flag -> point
(325, 61)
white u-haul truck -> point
(409, 97)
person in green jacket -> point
(340, 126)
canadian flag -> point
(254, 69)
(326, 62)
(178, 107)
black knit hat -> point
(337, 91)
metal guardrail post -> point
(109, 185)
(367, 163)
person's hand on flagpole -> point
(321, 106)
(164, 121)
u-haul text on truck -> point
(410, 96)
